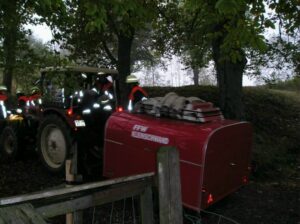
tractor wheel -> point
(54, 143)
(9, 143)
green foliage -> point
(14, 15)
(290, 85)
(282, 57)
(276, 121)
(33, 56)
(123, 15)
(230, 7)
(288, 12)
(238, 23)
(92, 31)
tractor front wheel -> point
(54, 143)
(9, 143)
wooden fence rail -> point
(51, 203)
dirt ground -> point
(256, 203)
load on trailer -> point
(214, 152)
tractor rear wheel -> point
(9, 143)
(54, 143)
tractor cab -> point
(78, 88)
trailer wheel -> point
(54, 143)
(9, 143)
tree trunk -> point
(196, 76)
(11, 24)
(229, 78)
(124, 63)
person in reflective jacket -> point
(99, 96)
(104, 85)
(136, 93)
(35, 96)
(22, 98)
(3, 98)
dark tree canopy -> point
(13, 16)
(118, 33)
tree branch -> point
(194, 19)
(109, 54)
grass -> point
(275, 116)
(290, 94)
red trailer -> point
(214, 155)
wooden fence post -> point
(147, 206)
(71, 177)
(169, 187)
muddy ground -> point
(258, 203)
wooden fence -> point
(35, 207)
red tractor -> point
(68, 105)
(75, 105)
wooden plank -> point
(20, 214)
(71, 190)
(69, 175)
(147, 206)
(170, 203)
(32, 215)
(175, 184)
(94, 199)
(71, 172)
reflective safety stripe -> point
(3, 108)
(110, 96)
(130, 105)
(94, 89)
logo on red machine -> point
(139, 131)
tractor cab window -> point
(53, 87)
(73, 88)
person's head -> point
(35, 90)
(132, 80)
(3, 89)
(101, 81)
(19, 92)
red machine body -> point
(214, 156)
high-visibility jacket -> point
(136, 94)
(35, 96)
(107, 86)
(3, 113)
(22, 100)
(3, 97)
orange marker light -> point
(119, 109)
(70, 111)
(210, 199)
(245, 179)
